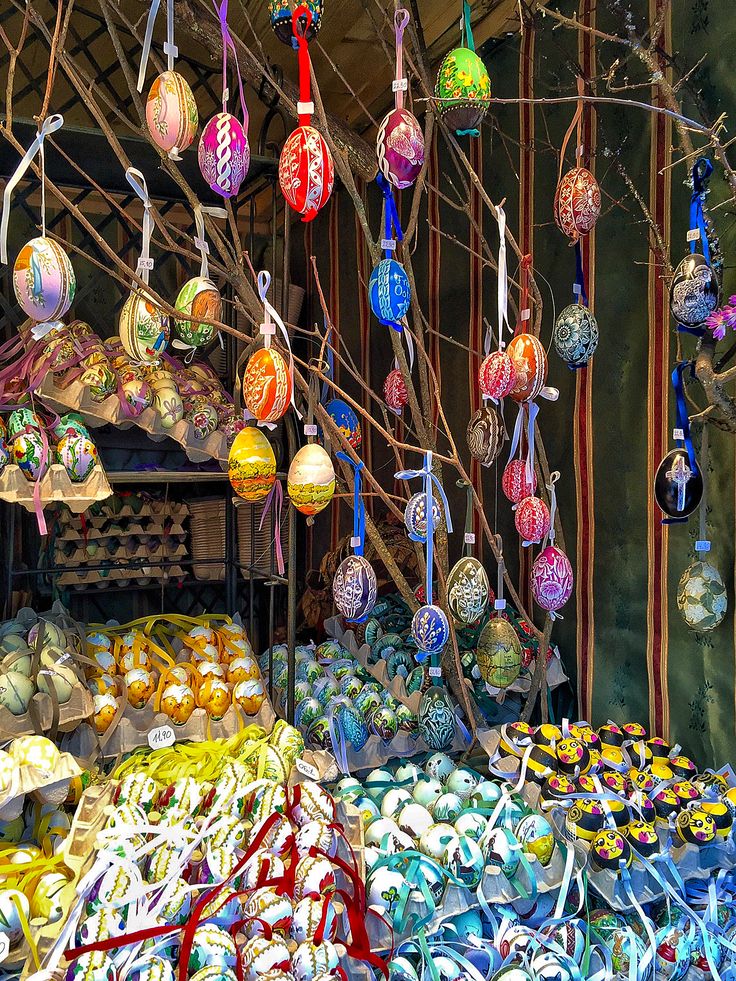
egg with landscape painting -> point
(198, 298)
(311, 479)
(346, 421)
(251, 464)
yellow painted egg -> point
(211, 669)
(214, 697)
(134, 657)
(243, 669)
(37, 751)
(8, 771)
(311, 479)
(46, 901)
(178, 673)
(101, 684)
(249, 695)
(59, 679)
(177, 702)
(168, 403)
(139, 686)
(16, 692)
(105, 707)
(251, 464)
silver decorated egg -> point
(354, 588)
(694, 291)
(575, 335)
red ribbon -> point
(300, 32)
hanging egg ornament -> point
(436, 719)
(415, 516)
(306, 171)
(468, 590)
(400, 148)
(577, 203)
(280, 13)
(43, 280)
(701, 596)
(499, 653)
(171, 112)
(224, 154)
(198, 298)
(694, 292)
(267, 385)
(346, 421)
(575, 335)
(251, 464)
(496, 375)
(143, 329)
(354, 588)
(430, 628)
(678, 488)
(530, 365)
(310, 481)
(389, 292)
(395, 393)
(532, 519)
(485, 435)
(516, 484)
(463, 91)
(552, 578)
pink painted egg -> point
(496, 375)
(515, 483)
(44, 280)
(400, 148)
(552, 578)
(394, 390)
(78, 455)
(224, 154)
(171, 113)
(306, 171)
(532, 519)
(577, 203)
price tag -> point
(388, 244)
(702, 546)
(161, 737)
(307, 769)
(202, 245)
(310, 429)
(469, 538)
(399, 85)
(268, 330)
(4, 946)
(145, 264)
(526, 314)
(225, 94)
(355, 542)
(693, 235)
(678, 434)
(171, 49)
(435, 671)
(580, 151)
(577, 289)
(305, 108)
(500, 604)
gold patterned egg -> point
(468, 590)
(499, 653)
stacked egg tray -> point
(56, 486)
(641, 818)
(154, 532)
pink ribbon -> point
(275, 499)
(401, 19)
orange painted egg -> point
(267, 385)
(251, 464)
(214, 697)
(139, 685)
(311, 479)
(530, 365)
(177, 702)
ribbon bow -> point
(170, 48)
(200, 210)
(48, 126)
(357, 542)
(429, 480)
(138, 182)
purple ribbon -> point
(276, 499)
(227, 42)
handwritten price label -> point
(702, 546)
(435, 672)
(693, 235)
(500, 604)
(310, 429)
(399, 85)
(145, 264)
(307, 769)
(161, 737)
(678, 434)
(469, 538)
(388, 244)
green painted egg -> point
(499, 653)
(701, 596)
(16, 692)
(199, 298)
(464, 91)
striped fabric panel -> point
(334, 309)
(364, 315)
(433, 272)
(476, 323)
(658, 410)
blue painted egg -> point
(353, 727)
(575, 335)
(389, 292)
(307, 712)
(346, 421)
(355, 588)
(430, 629)
(436, 719)
(415, 516)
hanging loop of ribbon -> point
(200, 210)
(271, 317)
(503, 281)
(579, 293)
(524, 310)
(466, 31)
(138, 182)
(575, 124)
(550, 538)
(683, 422)
(468, 532)
(50, 125)
(170, 48)
(501, 570)
(702, 169)
(228, 43)
(301, 21)
(391, 223)
(358, 541)
(401, 19)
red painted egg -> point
(306, 171)
(496, 375)
(514, 482)
(530, 364)
(532, 519)
(267, 385)
(394, 390)
(577, 203)
(552, 578)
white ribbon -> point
(48, 126)
(409, 345)
(270, 315)
(200, 210)
(503, 281)
(138, 182)
(516, 438)
(550, 539)
(169, 48)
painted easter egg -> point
(199, 298)
(355, 588)
(178, 703)
(310, 481)
(143, 329)
(4, 454)
(267, 385)
(535, 833)
(496, 375)
(203, 420)
(27, 452)
(468, 590)
(306, 171)
(400, 148)
(485, 435)
(137, 395)
(530, 365)
(678, 487)
(171, 113)
(577, 203)
(610, 850)
(95, 965)
(464, 859)
(694, 292)
(251, 464)
(389, 292)
(532, 519)
(430, 629)
(168, 404)
(552, 578)
(100, 379)
(44, 280)
(59, 679)
(280, 13)
(395, 393)
(701, 596)
(499, 653)
(346, 421)
(20, 421)
(575, 335)
(105, 707)
(415, 516)
(224, 154)
(463, 89)
(249, 695)
(214, 697)
(78, 455)
(436, 720)
(140, 685)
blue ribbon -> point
(702, 170)
(683, 422)
(391, 218)
(579, 274)
(358, 505)
(429, 479)
(325, 393)
(465, 28)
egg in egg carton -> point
(77, 398)
(55, 486)
(43, 716)
(160, 550)
(27, 779)
(120, 577)
(103, 530)
(152, 509)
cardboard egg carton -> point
(152, 509)
(55, 487)
(40, 717)
(120, 577)
(99, 532)
(165, 551)
(32, 778)
(76, 398)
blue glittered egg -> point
(355, 588)
(430, 629)
(353, 727)
(346, 421)
(389, 292)
(575, 335)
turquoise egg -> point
(384, 724)
(436, 719)
(306, 712)
(447, 807)
(309, 671)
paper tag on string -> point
(307, 769)
(355, 542)
(161, 737)
(434, 671)
(469, 538)
(388, 244)
(202, 245)
(225, 94)
(305, 108)
(400, 85)
(702, 545)
(171, 49)
(526, 314)
(577, 289)
(145, 264)
(268, 329)
(678, 434)
(500, 604)
(310, 429)
(693, 235)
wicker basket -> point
(207, 533)
(254, 545)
